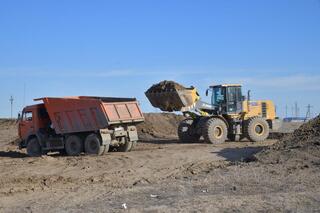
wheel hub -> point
(259, 129)
(218, 132)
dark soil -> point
(302, 147)
(159, 125)
(165, 86)
(163, 176)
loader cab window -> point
(217, 96)
(234, 99)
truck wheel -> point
(92, 145)
(215, 131)
(73, 145)
(257, 129)
(33, 148)
(185, 131)
(126, 147)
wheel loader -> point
(230, 115)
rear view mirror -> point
(207, 92)
(19, 117)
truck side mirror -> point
(19, 117)
(207, 92)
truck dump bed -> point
(86, 113)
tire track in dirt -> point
(114, 169)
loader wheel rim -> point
(259, 130)
(218, 132)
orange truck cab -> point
(73, 125)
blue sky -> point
(120, 48)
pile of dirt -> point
(300, 147)
(159, 125)
(165, 86)
(8, 131)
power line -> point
(296, 109)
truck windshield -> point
(217, 96)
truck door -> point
(26, 125)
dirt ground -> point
(159, 175)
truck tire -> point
(34, 148)
(126, 147)
(92, 145)
(215, 131)
(257, 129)
(73, 145)
(185, 131)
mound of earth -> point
(302, 147)
(159, 125)
(165, 86)
(8, 131)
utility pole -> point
(286, 111)
(296, 110)
(11, 103)
(308, 115)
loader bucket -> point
(173, 99)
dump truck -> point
(230, 115)
(72, 125)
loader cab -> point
(227, 98)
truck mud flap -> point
(133, 135)
(106, 137)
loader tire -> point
(185, 131)
(34, 148)
(215, 131)
(257, 129)
(92, 145)
(73, 145)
